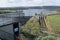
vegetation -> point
(32, 26)
(9, 11)
(55, 23)
(46, 38)
(28, 35)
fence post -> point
(16, 30)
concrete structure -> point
(6, 23)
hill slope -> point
(32, 26)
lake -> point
(31, 12)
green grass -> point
(55, 23)
(8, 11)
(32, 26)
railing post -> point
(16, 31)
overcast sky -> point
(16, 3)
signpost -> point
(16, 31)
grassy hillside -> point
(32, 26)
(55, 23)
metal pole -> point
(16, 31)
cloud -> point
(51, 2)
(15, 3)
(12, 3)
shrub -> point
(46, 38)
(28, 35)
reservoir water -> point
(31, 12)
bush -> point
(46, 38)
(32, 26)
(28, 35)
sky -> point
(20, 3)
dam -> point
(6, 23)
